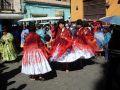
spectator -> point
(8, 51)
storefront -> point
(46, 10)
(9, 19)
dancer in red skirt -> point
(61, 43)
(81, 46)
(34, 61)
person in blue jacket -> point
(107, 37)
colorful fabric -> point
(71, 49)
(62, 42)
(41, 33)
(1, 48)
(53, 32)
(34, 62)
(86, 38)
(107, 38)
(35, 56)
(8, 51)
(73, 54)
(24, 33)
(99, 39)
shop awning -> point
(40, 18)
(11, 16)
(39, 15)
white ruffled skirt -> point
(72, 55)
(34, 62)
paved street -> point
(83, 79)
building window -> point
(107, 5)
(95, 9)
(39, 15)
(76, 7)
(6, 5)
(59, 13)
(118, 1)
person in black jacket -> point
(113, 74)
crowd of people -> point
(63, 42)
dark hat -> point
(61, 21)
(85, 24)
(79, 22)
(5, 29)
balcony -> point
(53, 2)
(6, 5)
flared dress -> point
(35, 58)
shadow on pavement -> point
(72, 66)
(52, 74)
(5, 76)
(21, 87)
(18, 59)
(111, 76)
(101, 84)
(10, 83)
